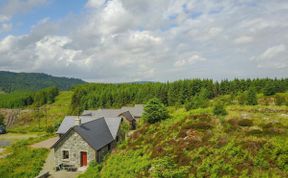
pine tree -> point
(155, 111)
(252, 96)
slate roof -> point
(135, 111)
(127, 115)
(69, 122)
(96, 132)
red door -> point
(83, 159)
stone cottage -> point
(85, 142)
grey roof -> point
(127, 115)
(113, 125)
(102, 113)
(96, 133)
(69, 121)
(135, 111)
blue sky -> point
(159, 40)
(54, 10)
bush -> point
(245, 123)
(196, 102)
(165, 167)
(280, 100)
(251, 97)
(155, 111)
(93, 171)
(219, 109)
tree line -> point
(20, 99)
(170, 93)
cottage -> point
(129, 114)
(85, 142)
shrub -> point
(165, 167)
(196, 102)
(245, 123)
(251, 97)
(155, 111)
(200, 126)
(93, 171)
(219, 109)
(280, 100)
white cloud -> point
(124, 40)
(188, 61)
(95, 3)
(274, 57)
(243, 40)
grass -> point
(199, 144)
(47, 119)
(23, 161)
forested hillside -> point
(20, 99)
(174, 93)
(10, 81)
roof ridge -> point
(94, 119)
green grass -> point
(22, 160)
(199, 144)
(50, 115)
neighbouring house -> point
(80, 143)
(129, 114)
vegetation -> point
(251, 96)
(196, 144)
(219, 109)
(92, 96)
(155, 111)
(22, 160)
(2, 120)
(93, 171)
(45, 118)
(10, 81)
(21, 99)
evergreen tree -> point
(155, 111)
(252, 96)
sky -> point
(145, 40)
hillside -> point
(251, 141)
(10, 81)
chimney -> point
(77, 120)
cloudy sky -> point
(157, 40)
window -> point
(65, 154)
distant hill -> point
(10, 81)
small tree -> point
(155, 111)
(252, 97)
(269, 89)
(219, 109)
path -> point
(46, 143)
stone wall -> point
(74, 144)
